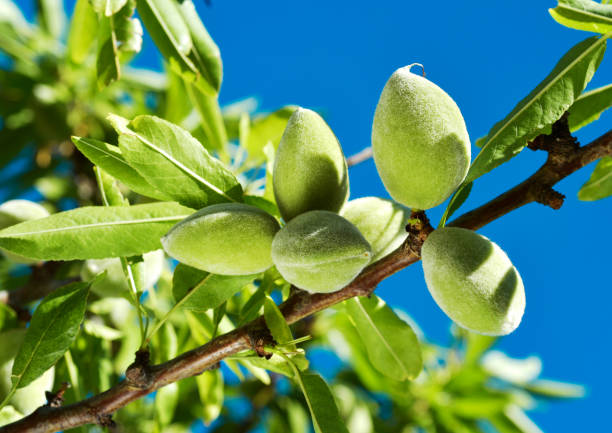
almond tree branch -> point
(359, 157)
(565, 157)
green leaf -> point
(276, 323)
(171, 34)
(583, 15)
(8, 316)
(100, 330)
(259, 373)
(554, 389)
(83, 28)
(589, 106)
(94, 232)
(51, 17)
(174, 162)
(200, 291)
(476, 346)
(111, 160)
(269, 187)
(166, 400)
(11, 15)
(541, 108)
(265, 129)
(107, 7)
(109, 190)
(263, 204)
(176, 103)
(8, 414)
(600, 184)
(391, 343)
(321, 403)
(205, 54)
(120, 37)
(478, 406)
(73, 375)
(212, 124)
(275, 364)
(53, 328)
(210, 389)
(517, 418)
(455, 202)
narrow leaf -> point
(212, 124)
(541, 108)
(166, 400)
(120, 38)
(600, 184)
(205, 54)
(265, 129)
(110, 159)
(583, 15)
(51, 17)
(554, 389)
(589, 106)
(276, 322)
(171, 34)
(94, 232)
(173, 161)
(456, 201)
(109, 190)
(391, 343)
(210, 389)
(275, 364)
(263, 204)
(52, 330)
(200, 291)
(107, 7)
(321, 403)
(83, 28)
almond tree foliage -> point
(94, 312)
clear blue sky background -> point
(337, 55)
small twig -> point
(359, 157)
(40, 283)
(56, 399)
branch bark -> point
(564, 158)
(359, 157)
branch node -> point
(56, 399)
(548, 197)
(418, 229)
(259, 338)
(138, 374)
(560, 144)
(105, 420)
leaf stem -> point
(127, 268)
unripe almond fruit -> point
(320, 251)
(382, 222)
(419, 140)
(224, 239)
(473, 281)
(310, 171)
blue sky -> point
(336, 57)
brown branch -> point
(300, 304)
(41, 282)
(359, 157)
(538, 187)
